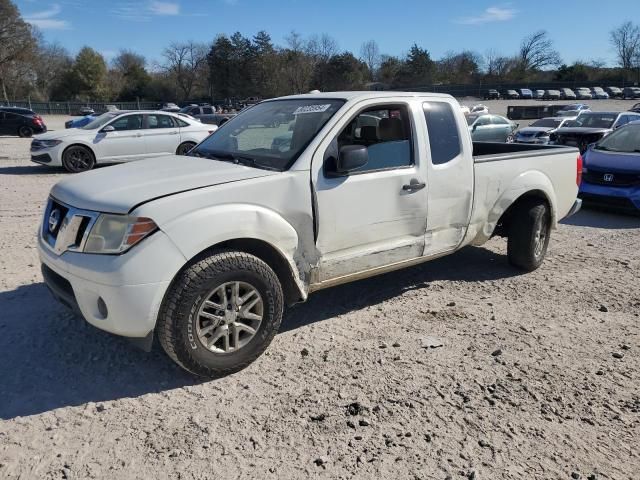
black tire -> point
(183, 148)
(25, 132)
(180, 319)
(78, 158)
(529, 233)
(510, 138)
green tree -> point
(88, 75)
(417, 69)
(131, 68)
(341, 72)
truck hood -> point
(120, 188)
(612, 161)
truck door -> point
(449, 176)
(376, 214)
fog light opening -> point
(102, 308)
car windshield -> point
(471, 119)
(626, 139)
(100, 121)
(270, 135)
(546, 122)
(593, 120)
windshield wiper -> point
(235, 158)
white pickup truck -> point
(206, 250)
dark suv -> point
(492, 94)
(20, 121)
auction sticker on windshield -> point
(312, 109)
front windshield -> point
(626, 139)
(100, 121)
(270, 135)
(593, 120)
(546, 122)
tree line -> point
(236, 66)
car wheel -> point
(184, 148)
(510, 138)
(25, 132)
(220, 313)
(78, 159)
(528, 236)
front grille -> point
(597, 177)
(66, 228)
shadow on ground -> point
(50, 358)
(600, 218)
(30, 170)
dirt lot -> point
(459, 368)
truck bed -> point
(490, 151)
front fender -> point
(526, 182)
(201, 229)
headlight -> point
(49, 143)
(118, 233)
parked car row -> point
(581, 93)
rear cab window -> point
(443, 132)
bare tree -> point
(322, 47)
(370, 54)
(626, 42)
(17, 41)
(537, 52)
(184, 62)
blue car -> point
(79, 122)
(611, 170)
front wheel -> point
(78, 159)
(529, 234)
(221, 313)
(510, 138)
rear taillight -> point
(579, 170)
(37, 120)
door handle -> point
(414, 186)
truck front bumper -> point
(120, 294)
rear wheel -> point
(529, 234)
(25, 132)
(184, 148)
(78, 159)
(221, 313)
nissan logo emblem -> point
(54, 220)
(608, 177)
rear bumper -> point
(577, 205)
(619, 198)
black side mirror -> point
(351, 158)
(475, 125)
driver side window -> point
(129, 122)
(385, 131)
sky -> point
(579, 28)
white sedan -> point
(121, 136)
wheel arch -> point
(265, 251)
(502, 225)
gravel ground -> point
(460, 368)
